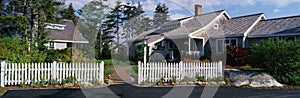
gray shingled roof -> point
(70, 33)
(239, 25)
(188, 26)
(194, 24)
(273, 27)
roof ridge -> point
(209, 13)
(286, 17)
(247, 15)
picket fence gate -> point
(152, 72)
(26, 73)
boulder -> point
(251, 78)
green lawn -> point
(2, 91)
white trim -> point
(217, 45)
(213, 21)
(203, 46)
(150, 44)
(68, 41)
(197, 37)
(189, 45)
(250, 28)
(224, 43)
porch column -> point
(203, 45)
(189, 46)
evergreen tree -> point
(161, 15)
(69, 13)
(92, 15)
(120, 15)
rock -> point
(68, 84)
(190, 82)
(213, 83)
(222, 83)
(251, 78)
(86, 84)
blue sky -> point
(185, 8)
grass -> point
(2, 91)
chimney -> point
(198, 9)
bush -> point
(64, 55)
(281, 59)
(16, 51)
(236, 56)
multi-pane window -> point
(222, 44)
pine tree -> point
(92, 16)
(69, 13)
(161, 15)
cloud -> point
(177, 16)
(276, 10)
(77, 4)
(278, 3)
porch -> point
(174, 49)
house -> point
(210, 33)
(64, 35)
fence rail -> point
(152, 72)
(26, 73)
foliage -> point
(109, 69)
(220, 79)
(69, 13)
(2, 91)
(70, 79)
(161, 80)
(201, 78)
(279, 58)
(236, 56)
(64, 55)
(161, 15)
(14, 50)
(139, 53)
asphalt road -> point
(129, 91)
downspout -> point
(244, 41)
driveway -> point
(129, 91)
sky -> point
(184, 8)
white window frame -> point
(216, 26)
(224, 44)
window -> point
(216, 26)
(221, 44)
(51, 45)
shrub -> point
(201, 78)
(16, 51)
(236, 56)
(281, 59)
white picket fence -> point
(152, 72)
(26, 73)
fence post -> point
(139, 72)
(102, 71)
(221, 68)
(54, 70)
(2, 74)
